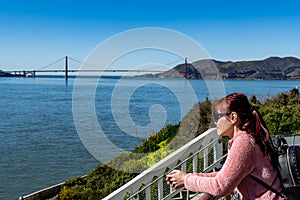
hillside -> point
(272, 68)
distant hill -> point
(272, 68)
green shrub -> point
(282, 113)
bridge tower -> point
(185, 68)
(66, 69)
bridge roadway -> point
(32, 73)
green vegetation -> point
(157, 140)
(105, 179)
(281, 114)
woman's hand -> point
(175, 179)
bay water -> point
(41, 143)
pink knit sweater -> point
(244, 158)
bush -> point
(282, 112)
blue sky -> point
(35, 33)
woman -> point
(250, 153)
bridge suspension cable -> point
(83, 63)
(46, 66)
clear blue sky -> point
(38, 32)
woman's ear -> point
(234, 117)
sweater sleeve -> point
(211, 174)
(241, 160)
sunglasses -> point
(217, 116)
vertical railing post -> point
(148, 193)
(205, 158)
(195, 163)
(216, 152)
(183, 167)
(160, 189)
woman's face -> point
(224, 125)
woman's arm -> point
(176, 177)
(240, 162)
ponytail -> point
(262, 137)
(254, 125)
(260, 129)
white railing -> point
(203, 153)
(44, 193)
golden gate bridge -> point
(66, 70)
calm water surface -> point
(39, 143)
